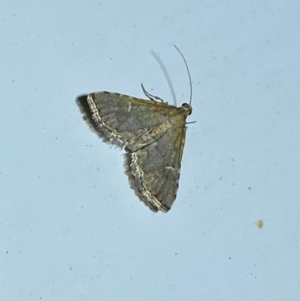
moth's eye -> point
(187, 108)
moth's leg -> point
(151, 96)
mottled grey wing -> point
(155, 169)
(121, 119)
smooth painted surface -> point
(70, 226)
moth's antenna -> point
(187, 68)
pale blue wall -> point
(70, 226)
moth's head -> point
(188, 108)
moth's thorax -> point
(188, 108)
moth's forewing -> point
(153, 134)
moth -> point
(153, 135)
